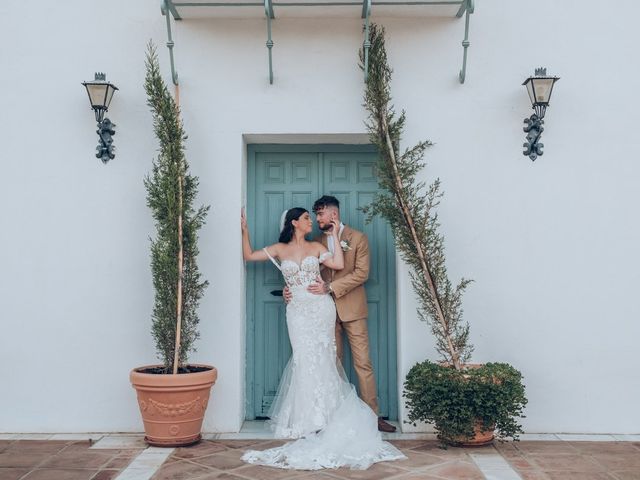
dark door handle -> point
(276, 293)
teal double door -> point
(285, 176)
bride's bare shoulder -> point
(318, 247)
(275, 249)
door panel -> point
(284, 176)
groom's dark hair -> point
(324, 202)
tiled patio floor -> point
(61, 460)
(220, 459)
(532, 460)
(573, 460)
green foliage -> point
(410, 208)
(453, 400)
(170, 171)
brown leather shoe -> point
(384, 426)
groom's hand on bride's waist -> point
(286, 294)
(319, 287)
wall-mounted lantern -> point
(100, 94)
(539, 89)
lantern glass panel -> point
(532, 96)
(542, 88)
(110, 91)
(97, 93)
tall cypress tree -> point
(171, 191)
(410, 208)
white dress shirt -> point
(330, 243)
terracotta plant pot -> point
(479, 438)
(173, 406)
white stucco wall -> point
(552, 245)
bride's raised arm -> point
(248, 253)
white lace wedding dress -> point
(315, 402)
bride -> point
(315, 403)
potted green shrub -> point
(465, 402)
(468, 405)
(174, 395)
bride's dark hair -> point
(287, 231)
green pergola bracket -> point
(366, 12)
(166, 8)
(466, 8)
(174, 11)
(268, 11)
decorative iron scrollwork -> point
(106, 149)
(534, 129)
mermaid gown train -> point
(315, 403)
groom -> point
(347, 288)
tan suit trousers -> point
(358, 336)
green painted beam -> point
(172, 9)
(366, 11)
(318, 4)
(269, 5)
(165, 11)
(469, 8)
(268, 12)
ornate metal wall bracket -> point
(534, 129)
(106, 149)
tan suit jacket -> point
(348, 284)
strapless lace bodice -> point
(303, 274)
(300, 275)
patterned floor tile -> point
(18, 459)
(86, 459)
(605, 447)
(579, 476)
(220, 476)
(60, 474)
(106, 475)
(566, 463)
(266, 445)
(626, 474)
(458, 470)
(416, 461)
(12, 473)
(264, 473)
(219, 461)
(37, 446)
(316, 476)
(545, 447)
(183, 470)
(377, 471)
(238, 443)
(532, 475)
(618, 461)
(408, 444)
(201, 449)
(417, 476)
